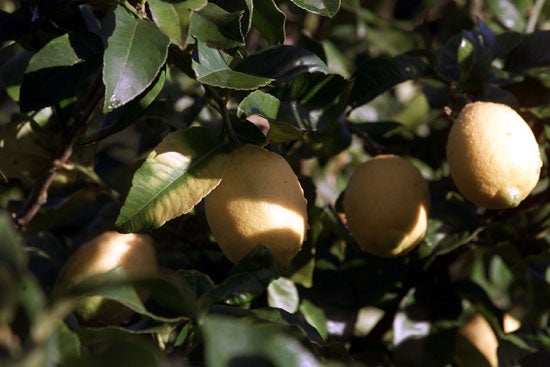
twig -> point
(534, 17)
(39, 192)
(227, 126)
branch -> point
(39, 192)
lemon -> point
(386, 205)
(108, 251)
(493, 156)
(258, 201)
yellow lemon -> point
(387, 205)
(258, 201)
(493, 156)
(108, 251)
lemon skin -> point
(386, 206)
(108, 251)
(493, 156)
(258, 201)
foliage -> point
(122, 115)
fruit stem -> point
(227, 127)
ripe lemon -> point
(493, 156)
(258, 201)
(108, 251)
(386, 204)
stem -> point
(227, 127)
(534, 17)
(39, 191)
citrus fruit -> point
(386, 205)
(258, 201)
(108, 251)
(493, 156)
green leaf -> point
(315, 316)
(247, 280)
(251, 342)
(12, 252)
(259, 103)
(58, 70)
(211, 67)
(270, 21)
(377, 75)
(125, 116)
(327, 8)
(176, 175)
(136, 51)
(217, 27)
(508, 14)
(174, 17)
(283, 63)
(282, 293)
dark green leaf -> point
(270, 21)
(177, 174)
(11, 74)
(248, 279)
(375, 76)
(282, 63)
(217, 27)
(12, 252)
(249, 342)
(211, 67)
(59, 69)
(125, 116)
(136, 51)
(530, 52)
(327, 8)
(173, 17)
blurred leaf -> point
(282, 293)
(26, 150)
(12, 252)
(136, 51)
(12, 26)
(270, 21)
(58, 70)
(530, 52)
(280, 132)
(508, 14)
(505, 42)
(283, 63)
(327, 8)
(173, 18)
(377, 75)
(474, 59)
(246, 341)
(211, 67)
(176, 175)
(217, 27)
(128, 114)
(315, 317)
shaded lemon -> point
(493, 156)
(258, 201)
(387, 205)
(108, 251)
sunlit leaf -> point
(259, 103)
(282, 293)
(135, 53)
(327, 8)
(176, 175)
(173, 17)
